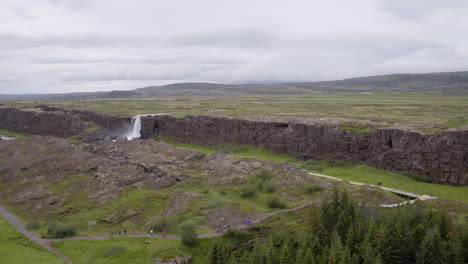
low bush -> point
(269, 187)
(312, 188)
(247, 192)
(264, 174)
(60, 230)
(189, 235)
(236, 234)
(275, 202)
(33, 225)
(166, 222)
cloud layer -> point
(50, 46)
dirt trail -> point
(399, 192)
(18, 225)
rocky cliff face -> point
(113, 123)
(38, 122)
(440, 158)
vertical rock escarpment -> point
(440, 158)
(113, 123)
(38, 122)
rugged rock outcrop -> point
(38, 122)
(53, 121)
(440, 158)
(113, 123)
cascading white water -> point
(135, 128)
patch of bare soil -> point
(180, 202)
(227, 216)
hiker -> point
(164, 233)
(248, 221)
(125, 231)
(119, 232)
(151, 232)
(110, 235)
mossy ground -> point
(131, 250)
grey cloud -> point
(84, 45)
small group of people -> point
(124, 231)
(163, 233)
(379, 183)
(221, 230)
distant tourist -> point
(151, 232)
(164, 233)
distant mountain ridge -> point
(448, 82)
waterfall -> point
(135, 128)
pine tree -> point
(432, 249)
(286, 255)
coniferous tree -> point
(432, 250)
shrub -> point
(189, 235)
(33, 225)
(274, 202)
(60, 230)
(247, 192)
(311, 188)
(236, 234)
(269, 187)
(264, 174)
(166, 222)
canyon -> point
(441, 158)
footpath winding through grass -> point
(15, 248)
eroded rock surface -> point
(35, 121)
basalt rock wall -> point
(440, 158)
(113, 123)
(57, 123)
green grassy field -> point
(15, 248)
(435, 110)
(130, 250)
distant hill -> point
(448, 82)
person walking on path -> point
(125, 231)
(164, 233)
(119, 232)
(151, 232)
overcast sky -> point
(89, 45)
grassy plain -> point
(15, 248)
(428, 111)
(130, 250)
